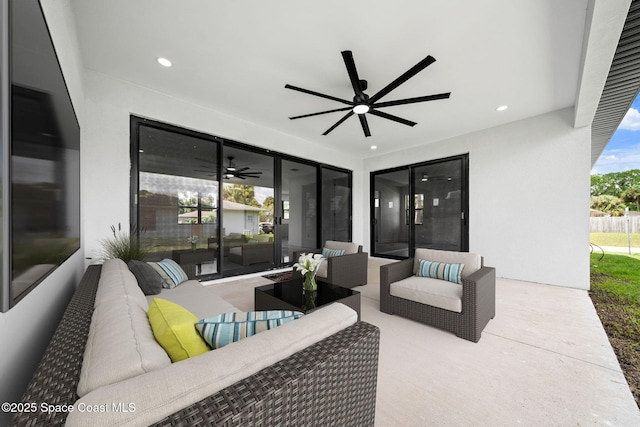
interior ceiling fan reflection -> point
(363, 104)
(232, 171)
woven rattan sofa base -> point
(55, 380)
(332, 382)
(478, 301)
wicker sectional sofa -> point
(318, 370)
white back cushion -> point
(120, 343)
(348, 247)
(472, 262)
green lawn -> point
(618, 274)
(615, 239)
(615, 292)
(615, 284)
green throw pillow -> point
(173, 327)
(227, 328)
(440, 270)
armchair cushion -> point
(433, 292)
(328, 253)
(440, 270)
(472, 262)
(347, 247)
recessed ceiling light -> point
(502, 108)
(374, 147)
(164, 62)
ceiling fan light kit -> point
(363, 104)
(232, 171)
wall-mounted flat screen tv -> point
(44, 168)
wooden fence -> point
(615, 224)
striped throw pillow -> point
(328, 253)
(172, 274)
(440, 270)
(224, 329)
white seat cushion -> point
(198, 299)
(434, 292)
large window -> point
(229, 208)
(177, 196)
(336, 204)
(420, 206)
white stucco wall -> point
(25, 330)
(528, 196)
(109, 103)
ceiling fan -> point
(363, 103)
(232, 171)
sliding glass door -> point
(247, 211)
(420, 206)
(391, 213)
(229, 208)
(297, 217)
(177, 197)
(336, 205)
(439, 205)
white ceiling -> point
(236, 56)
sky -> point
(622, 153)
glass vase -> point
(309, 300)
(310, 283)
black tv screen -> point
(45, 154)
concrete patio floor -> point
(544, 360)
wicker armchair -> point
(346, 270)
(478, 299)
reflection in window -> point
(177, 198)
(419, 209)
(196, 208)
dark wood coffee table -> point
(288, 295)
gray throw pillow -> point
(148, 279)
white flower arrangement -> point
(308, 263)
(193, 239)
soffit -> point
(622, 84)
(236, 57)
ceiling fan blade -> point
(392, 117)
(322, 112)
(339, 122)
(404, 77)
(412, 100)
(321, 95)
(365, 125)
(347, 56)
(242, 169)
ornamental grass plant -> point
(126, 246)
